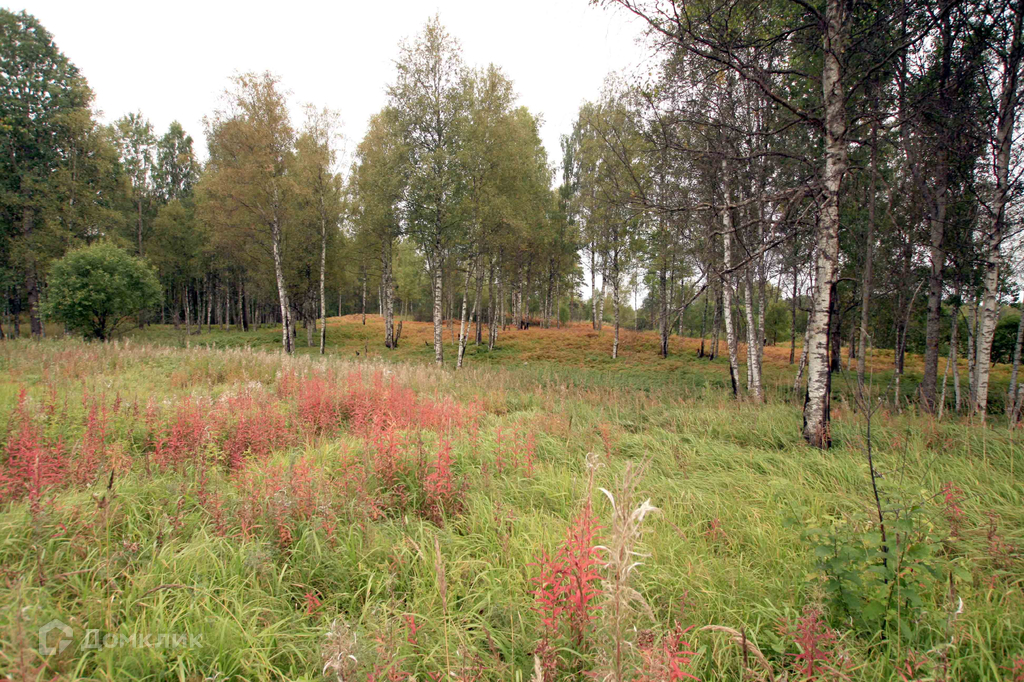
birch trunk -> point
(792, 323)
(1009, 100)
(816, 427)
(188, 326)
(663, 277)
(593, 289)
(438, 321)
(937, 223)
(798, 381)
(762, 302)
(615, 300)
(463, 331)
(492, 310)
(282, 290)
(225, 307)
(558, 305)
(502, 312)
(323, 274)
(243, 304)
(387, 283)
(451, 310)
(753, 363)
(31, 278)
(730, 333)
(682, 312)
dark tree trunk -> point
(703, 325)
(243, 304)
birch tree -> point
(378, 185)
(251, 146)
(429, 95)
(320, 188)
(136, 144)
(1008, 54)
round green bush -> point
(93, 290)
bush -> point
(94, 289)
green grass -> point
(730, 478)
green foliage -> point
(177, 244)
(429, 99)
(778, 321)
(177, 169)
(1005, 338)
(38, 87)
(44, 126)
(94, 289)
(879, 585)
(412, 284)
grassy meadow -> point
(207, 509)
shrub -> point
(878, 582)
(94, 289)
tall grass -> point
(380, 520)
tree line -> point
(848, 172)
(449, 194)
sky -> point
(172, 60)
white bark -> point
(438, 318)
(282, 290)
(615, 300)
(323, 272)
(387, 288)
(816, 427)
(477, 313)
(492, 312)
(730, 332)
(1008, 103)
(753, 344)
(463, 331)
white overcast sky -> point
(172, 60)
